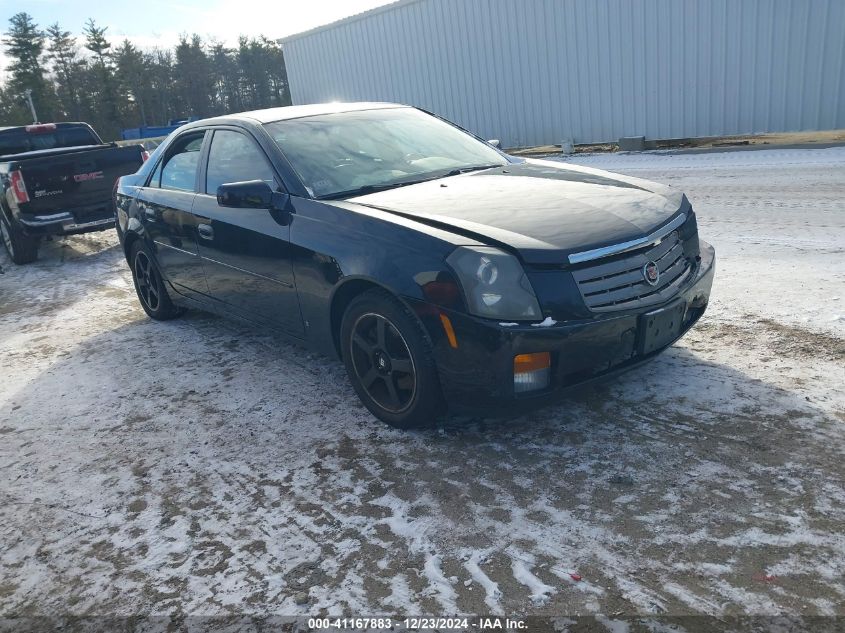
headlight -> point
(494, 283)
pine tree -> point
(102, 80)
(96, 42)
(164, 98)
(135, 86)
(277, 73)
(24, 43)
(194, 81)
(118, 87)
(226, 78)
(12, 109)
(67, 67)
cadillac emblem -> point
(651, 273)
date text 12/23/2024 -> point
(417, 623)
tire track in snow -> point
(520, 562)
(440, 584)
(491, 589)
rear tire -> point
(389, 361)
(149, 285)
(22, 249)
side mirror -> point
(252, 194)
(495, 143)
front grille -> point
(621, 285)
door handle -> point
(205, 231)
(149, 214)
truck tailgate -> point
(80, 182)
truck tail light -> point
(41, 128)
(18, 186)
(531, 372)
(145, 155)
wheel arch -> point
(129, 239)
(343, 295)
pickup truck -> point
(57, 179)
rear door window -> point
(178, 169)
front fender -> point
(333, 246)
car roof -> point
(271, 115)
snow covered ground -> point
(199, 467)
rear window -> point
(20, 141)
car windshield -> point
(349, 153)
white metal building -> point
(533, 72)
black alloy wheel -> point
(389, 361)
(383, 362)
(149, 285)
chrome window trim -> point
(624, 247)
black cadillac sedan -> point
(439, 269)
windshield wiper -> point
(364, 190)
(465, 170)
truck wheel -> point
(150, 287)
(23, 249)
(389, 361)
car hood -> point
(543, 210)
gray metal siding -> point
(532, 72)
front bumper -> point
(479, 372)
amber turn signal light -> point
(531, 372)
(450, 331)
(531, 362)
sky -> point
(149, 23)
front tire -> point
(389, 361)
(22, 249)
(149, 285)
